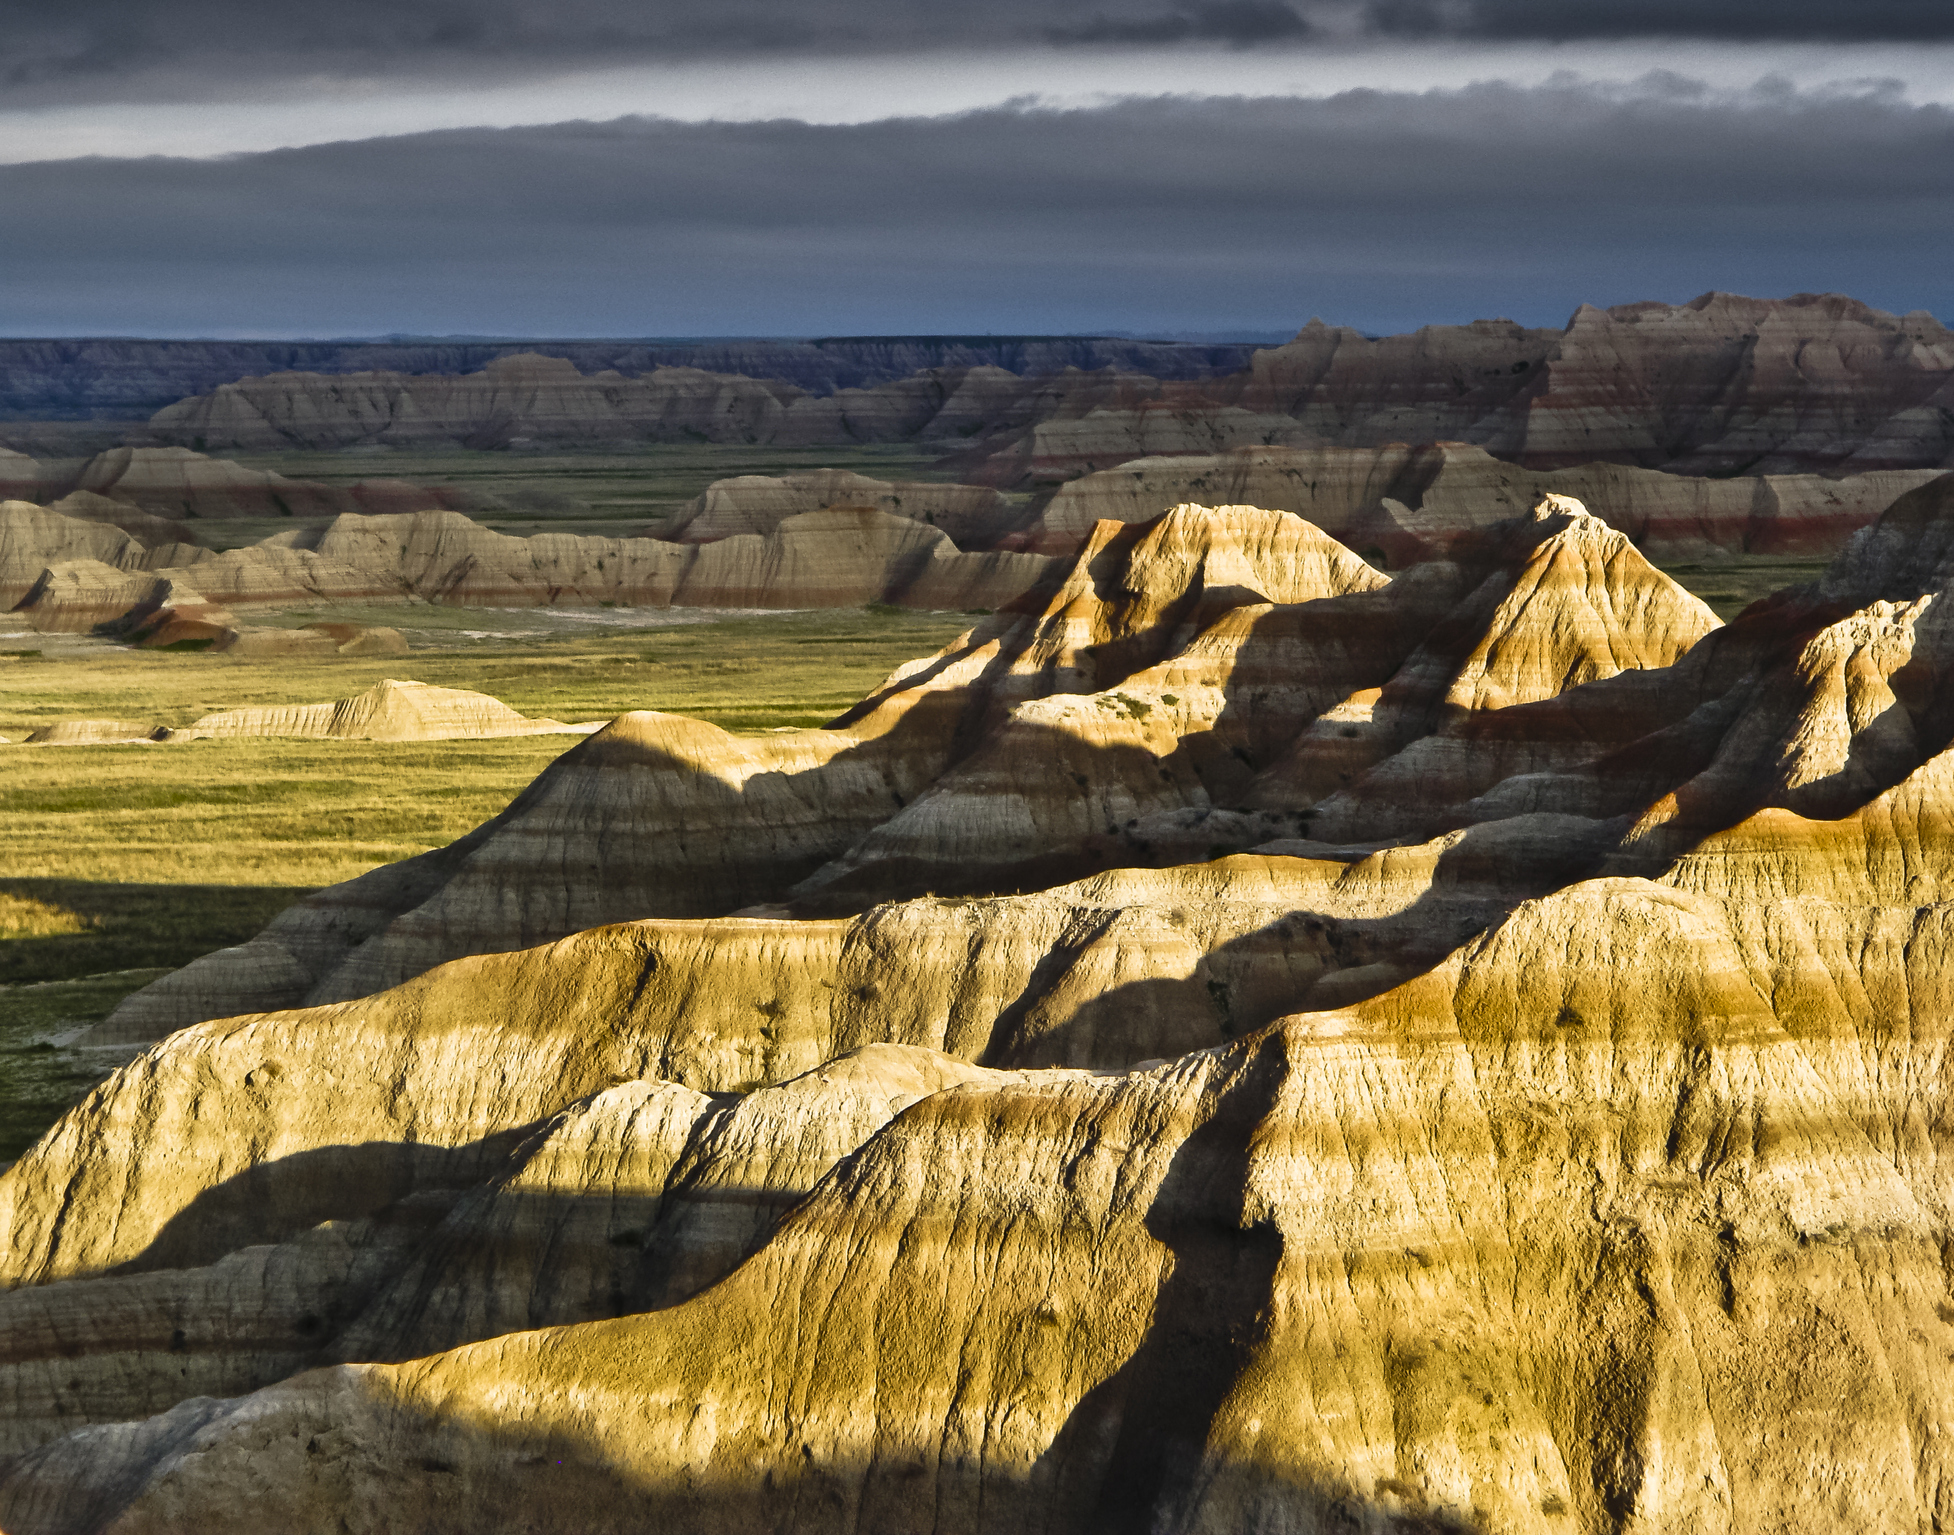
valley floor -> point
(122, 862)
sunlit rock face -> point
(60, 573)
(1410, 504)
(1242, 1041)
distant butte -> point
(1816, 383)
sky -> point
(255, 168)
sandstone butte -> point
(972, 515)
(1239, 1041)
(59, 573)
(390, 710)
(1721, 385)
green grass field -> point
(120, 862)
(1730, 586)
(626, 492)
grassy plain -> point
(1730, 586)
(627, 492)
(120, 862)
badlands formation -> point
(1817, 383)
(124, 379)
(972, 515)
(63, 574)
(176, 483)
(1238, 1040)
(390, 710)
(1409, 503)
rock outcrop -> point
(759, 503)
(1410, 504)
(390, 710)
(135, 487)
(1816, 383)
(125, 379)
(33, 538)
(1537, 1128)
(86, 575)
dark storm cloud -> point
(1239, 23)
(71, 43)
(1753, 20)
(42, 40)
(1383, 210)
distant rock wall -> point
(757, 503)
(1721, 385)
(179, 484)
(121, 379)
(1411, 502)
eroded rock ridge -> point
(1240, 1040)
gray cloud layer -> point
(1756, 20)
(75, 41)
(1385, 211)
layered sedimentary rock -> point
(123, 379)
(1721, 385)
(1411, 503)
(1540, 1131)
(520, 398)
(33, 538)
(780, 808)
(758, 503)
(174, 483)
(91, 733)
(145, 527)
(85, 575)
(390, 710)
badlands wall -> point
(1722, 385)
(1409, 503)
(64, 574)
(175, 483)
(1240, 1041)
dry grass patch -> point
(120, 862)
(24, 917)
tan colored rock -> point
(1815, 383)
(1414, 503)
(175, 482)
(1134, 772)
(33, 538)
(1455, 1180)
(841, 556)
(91, 733)
(77, 595)
(758, 503)
(316, 639)
(151, 491)
(1274, 1281)
(143, 526)
(519, 397)
(1728, 383)
(1100, 439)
(390, 710)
